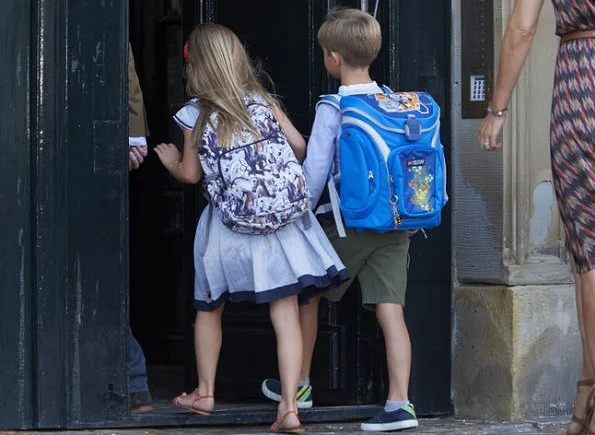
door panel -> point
(65, 350)
(423, 64)
(279, 36)
(16, 309)
(96, 180)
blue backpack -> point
(393, 172)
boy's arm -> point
(320, 152)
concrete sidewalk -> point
(427, 426)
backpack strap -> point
(203, 236)
(333, 100)
(386, 89)
(336, 207)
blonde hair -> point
(219, 75)
(352, 33)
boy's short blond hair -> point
(352, 33)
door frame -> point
(70, 302)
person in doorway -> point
(257, 240)
(572, 155)
(138, 131)
(350, 40)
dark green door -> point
(63, 171)
(92, 166)
(16, 311)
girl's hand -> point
(168, 154)
(489, 130)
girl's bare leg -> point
(285, 318)
(207, 343)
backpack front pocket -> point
(415, 172)
(359, 188)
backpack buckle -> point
(413, 128)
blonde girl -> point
(283, 258)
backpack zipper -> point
(394, 199)
(371, 182)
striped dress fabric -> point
(573, 131)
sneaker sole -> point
(277, 398)
(396, 425)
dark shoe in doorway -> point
(141, 402)
(271, 388)
(402, 418)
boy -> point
(351, 41)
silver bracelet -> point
(498, 113)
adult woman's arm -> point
(513, 54)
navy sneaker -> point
(402, 418)
(272, 389)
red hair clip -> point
(186, 55)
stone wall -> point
(516, 350)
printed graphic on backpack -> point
(258, 185)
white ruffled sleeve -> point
(187, 116)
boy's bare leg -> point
(309, 327)
(398, 349)
(285, 318)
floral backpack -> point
(257, 185)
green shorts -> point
(378, 260)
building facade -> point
(516, 348)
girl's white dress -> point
(297, 259)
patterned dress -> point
(296, 259)
(573, 131)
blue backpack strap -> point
(333, 100)
(386, 89)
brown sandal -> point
(590, 409)
(583, 389)
(193, 407)
(277, 426)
